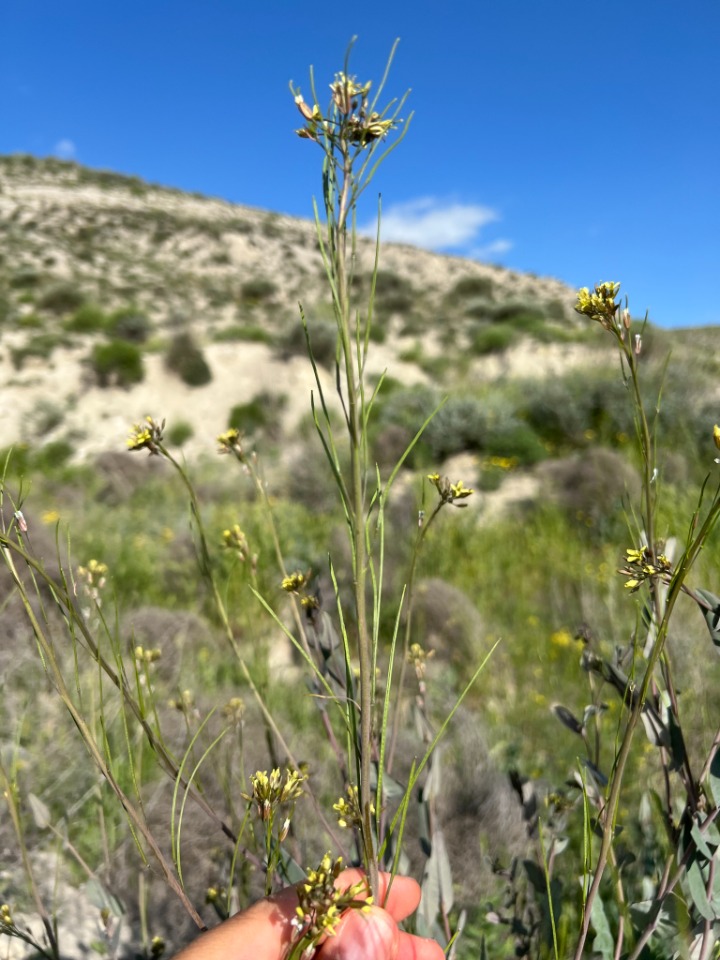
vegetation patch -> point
(185, 358)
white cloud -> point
(433, 223)
(65, 149)
(494, 249)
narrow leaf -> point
(567, 718)
(40, 812)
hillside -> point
(88, 257)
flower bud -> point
(303, 107)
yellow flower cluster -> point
(270, 792)
(294, 582)
(234, 710)
(231, 442)
(321, 903)
(599, 305)
(348, 810)
(147, 436)
(419, 657)
(640, 566)
(157, 947)
(234, 539)
(185, 702)
(147, 656)
(450, 492)
(94, 573)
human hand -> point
(265, 931)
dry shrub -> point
(446, 620)
(591, 486)
(122, 474)
(480, 812)
(173, 631)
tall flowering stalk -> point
(646, 566)
(352, 132)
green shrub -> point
(179, 433)
(570, 411)
(323, 339)
(378, 333)
(257, 291)
(30, 321)
(489, 425)
(516, 441)
(492, 339)
(117, 363)
(271, 227)
(468, 288)
(52, 456)
(260, 413)
(556, 310)
(393, 293)
(185, 358)
(88, 319)
(40, 347)
(43, 417)
(61, 298)
(6, 308)
(15, 459)
(129, 324)
(518, 314)
(591, 487)
(26, 277)
(479, 308)
(250, 333)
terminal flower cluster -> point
(418, 657)
(600, 305)
(146, 436)
(231, 442)
(350, 116)
(274, 790)
(450, 492)
(641, 566)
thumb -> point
(367, 934)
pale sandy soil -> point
(49, 209)
(100, 418)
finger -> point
(372, 934)
(263, 930)
(401, 900)
(417, 948)
(366, 934)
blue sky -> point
(575, 139)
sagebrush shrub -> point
(129, 324)
(117, 363)
(257, 291)
(89, 318)
(61, 298)
(323, 341)
(185, 358)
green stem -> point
(357, 512)
(661, 618)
